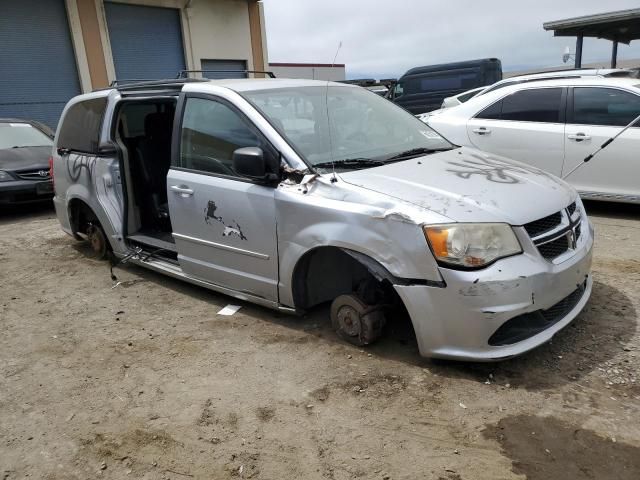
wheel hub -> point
(355, 321)
(97, 241)
(349, 320)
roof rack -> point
(119, 81)
(185, 73)
(170, 83)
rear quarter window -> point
(80, 128)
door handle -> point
(181, 190)
(482, 131)
(578, 137)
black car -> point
(25, 148)
(422, 89)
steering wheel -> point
(220, 167)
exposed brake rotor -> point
(97, 241)
(355, 321)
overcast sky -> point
(385, 38)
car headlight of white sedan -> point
(471, 245)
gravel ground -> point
(145, 381)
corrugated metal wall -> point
(213, 66)
(146, 42)
(38, 72)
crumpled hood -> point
(468, 185)
(24, 158)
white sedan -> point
(554, 125)
(451, 102)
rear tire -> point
(355, 321)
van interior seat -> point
(153, 155)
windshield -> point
(18, 135)
(340, 124)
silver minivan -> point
(295, 193)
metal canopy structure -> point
(620, 27)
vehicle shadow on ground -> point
(12, 213)
(612, 210)
(608, 321)
(597, 335)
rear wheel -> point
(97, 240)
(355, 321)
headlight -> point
(5, 177)
(471, 245)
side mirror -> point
(250, 162)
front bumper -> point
(25, 191)
(457, 321)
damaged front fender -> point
(365, 224)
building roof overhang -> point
(622, 26)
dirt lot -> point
(145, 381)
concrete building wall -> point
(313, 71)
(219, 30)
(211, 29)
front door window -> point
(534, 105)
(211, 132)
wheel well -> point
(324, 273)
(80, 215)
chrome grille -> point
(39, 174)
(556, 234)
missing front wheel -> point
(355, 321)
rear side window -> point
(440, 82)
(541, 105)
(604, 106)
(80, 129)
(449, 82)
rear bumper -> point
(25, 191)
(459, 320)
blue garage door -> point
(146, 42)
(38, 72)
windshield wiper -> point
(351, 163)
(415, 152)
